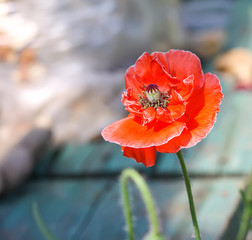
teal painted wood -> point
(93, 158)
(216, 197)
(64, 205)
(221, 201)
(213, 197)
(75, 158)
(239, 148)
(108, 158)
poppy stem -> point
(126, 205)
(147, 198)
(190, 196)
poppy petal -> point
(182, 64)
(161, 77)
(176, 106)
(170, 147)
(147, 156)
(163, 115)
(204, 121)
(129, 132)
(142, 68)
(135, 108)
(127, 97)
(175, 109)
(186, 87)
(130, 103)
(149, 115)
(133, 82)
(201, 125)
(161, 60)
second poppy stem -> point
(147, 198)
(190, 196)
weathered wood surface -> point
(90, 209)
(213, 197)
(65, 205)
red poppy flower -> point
(172, 105)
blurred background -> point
(62, 65)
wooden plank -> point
(212, 197)
(213, 213)
(93, 158)
(238, 154)
(109, 159)
(64, 206)
(74, 158)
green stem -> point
(40, 223)
(190, 196)
(127, 210)
(247, 212)
(146, 195)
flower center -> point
(153, 97)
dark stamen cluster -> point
(162, 102)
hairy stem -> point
(146, 196)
